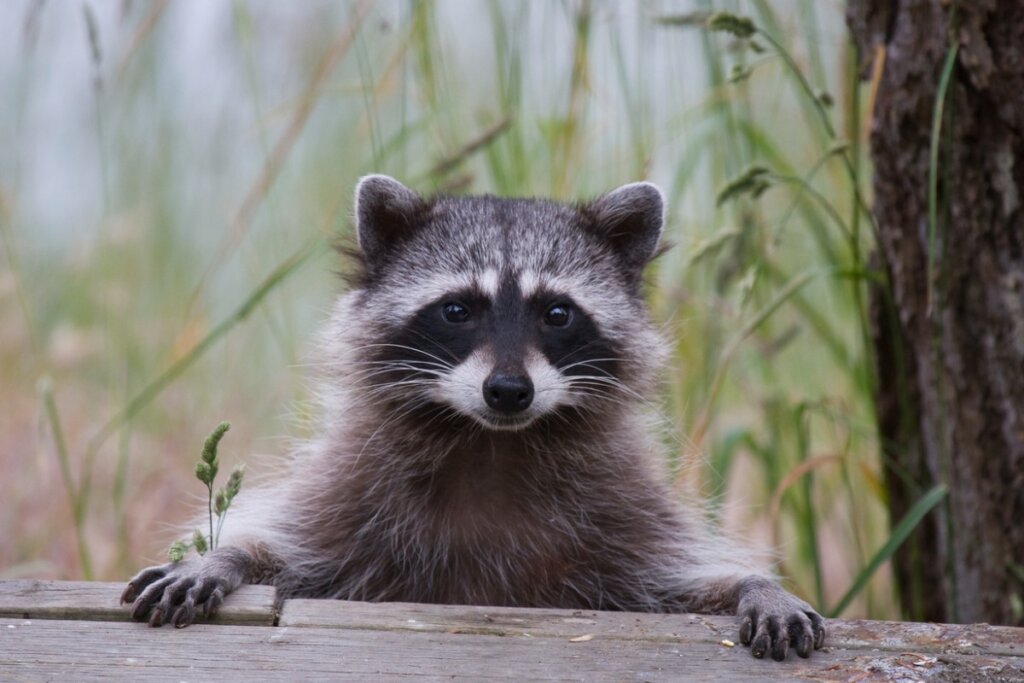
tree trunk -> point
(949, 328)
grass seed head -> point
(205, 472)
(741, 27)
(210, 447)
(177, 551)
(199, 542)
(234, 481)
(753, 181)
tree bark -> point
(949, 328)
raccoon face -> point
(502, 356)
(503, 311)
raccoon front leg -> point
(771, 620)
(174, 592)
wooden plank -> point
(84, 651)
(918, 637)
(355, 641)
(94, 601)
(504, 621)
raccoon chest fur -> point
(476, 486)
(477, 527)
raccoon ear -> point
(630, 218)
(386, 211)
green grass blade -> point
(784, 294)
(899, 534)
(153, 389)
(75, 496)
(933, 167)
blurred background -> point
(172, 175)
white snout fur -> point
(462, 389)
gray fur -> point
(402, 500)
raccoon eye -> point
(558, 315)
(454, 312)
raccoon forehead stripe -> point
(404, 302)
(529, 282)
(488, 282)
(595, 295)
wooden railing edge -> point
(259, 606)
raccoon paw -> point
(771, 620)
(175, 592)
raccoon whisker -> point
(608, 381)
(349, 363)
(418, 382)
(560, 417)
(375, 383)
(590, 361)
(445, 413)
(603, 394)
(603, 380)
(379, 393)
(318, 364)
(380, 389)
(413, 349)
(598, 390)
(402, 370)
(436, 343)
(385, 365)
(594, 402)
(442, 413)
(604, 374)
(405, 361)
(578, 349)
(397, 368)
(395, 373)
(390, 399)
(404, 409)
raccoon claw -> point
(141, 580)
(202, 592)
(171, 594)
(771, 621)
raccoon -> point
(484, 438)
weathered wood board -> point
(854, 634)
(94, 601)
(78, 632)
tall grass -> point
(182, 306)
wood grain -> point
(852, 634)
(94, 601)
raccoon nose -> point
(508, 393)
